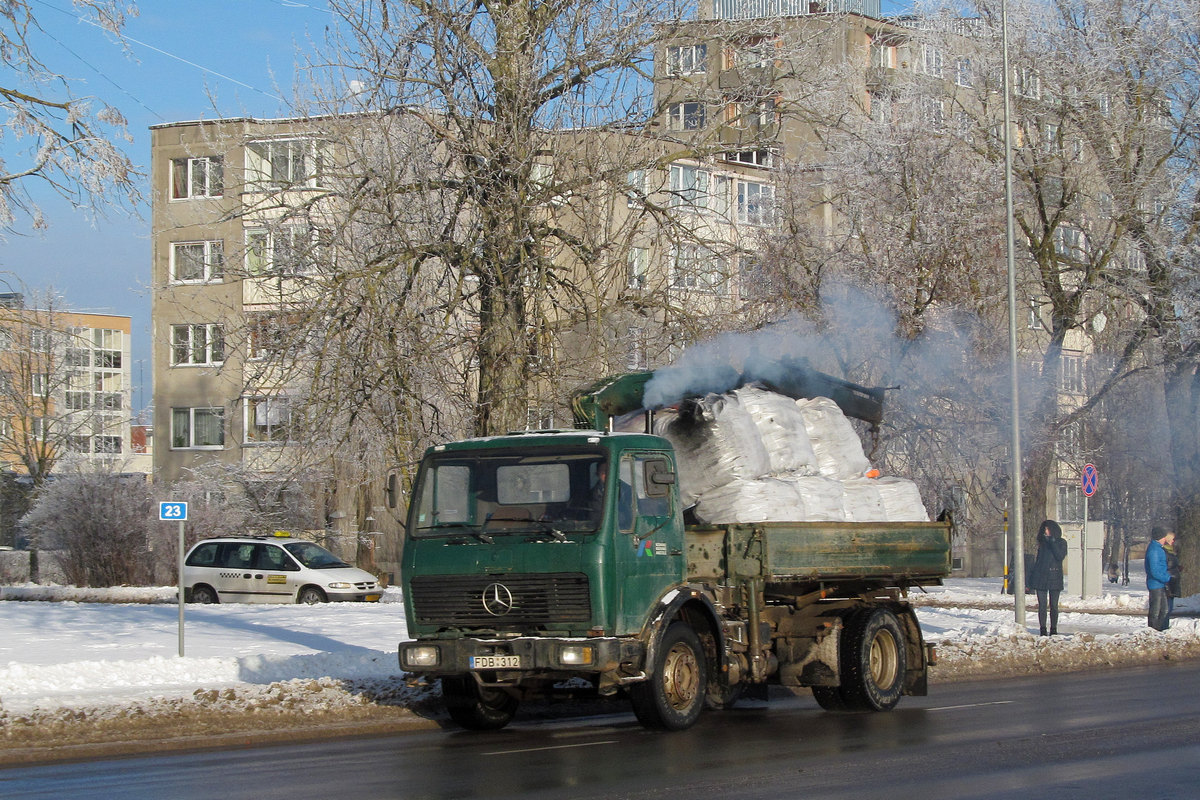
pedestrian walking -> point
(1174, 569)
(1046, 576)
(1158, 577)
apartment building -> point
(65, 391)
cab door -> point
(649, 558)
(277, 577)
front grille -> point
(537, 599)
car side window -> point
(273, 558)
(238, 556)
(204, 555)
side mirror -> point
(391, 490)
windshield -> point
(314, 556)
(492, 493)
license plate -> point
(371, 598)
(495, 662)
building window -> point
(932, 61)
(1069, 242)
(267, 419)
(697, 268)
(636, 357)
(77, 357)
(197, 262)
(689, 186)
(108, 401)
(197, 344)
(883, 55)
(41, 340)
(1035, 314)
(1071, 374)
(274, 336)
(107, 445)
(197, 177)
(758, 158)
(197, 428)
(686, 116)
(1070, 503)
(78, 401)
(754, 203)
(1070, 443)
(962, 73)
(288, 250)
(755, 282)
(638, 268)
(79, 444)
(108, 344)
(1028, 83)
(282, 163)
(539, 419)
(687, 59)
(6, 339)
(635, 188)
(40, 384)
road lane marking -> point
(972, 705)
(551, 747)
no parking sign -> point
(1090, 479)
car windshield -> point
(483, 494)
(314, 556)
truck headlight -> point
(341, 585)
(421, 655)
(576, 655)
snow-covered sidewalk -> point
(67, 656)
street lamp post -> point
(1018, 538)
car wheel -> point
(310, 596)
(204, 594)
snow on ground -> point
(69, 653)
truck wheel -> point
(829, 698)
(474, 707)
(873, 661)
(673, 696)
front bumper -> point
(536, 654)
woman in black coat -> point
(1046, 576)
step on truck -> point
(545, 562)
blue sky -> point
(187, 59)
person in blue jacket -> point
(1158, 577)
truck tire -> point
(829, 697)
(674, 694)
(873, 661)
(474, 707)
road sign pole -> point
(1083, 553)
(181, 588)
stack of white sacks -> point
(752, 455)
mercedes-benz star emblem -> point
(497, 600)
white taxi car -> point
(272, 569)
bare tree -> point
(100, 525)
(66, 143)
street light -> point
(1014, 382)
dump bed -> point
(891, 553)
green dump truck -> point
(541, 562)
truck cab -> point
(541, 554)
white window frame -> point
(285, 163)
(963, 76)
(635, 188)
(200, 176)
(687, 59)
(1070, 242)
(39, 384)
(933, 60)
(1028, 83)
(689, 187)
(1070, 373)
(261, 258)
(638, 268)
(690, 115)
(755, 202)
(277, 411)
(204, 344)
(213, 261)
(216, 412)
(1070, 502)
